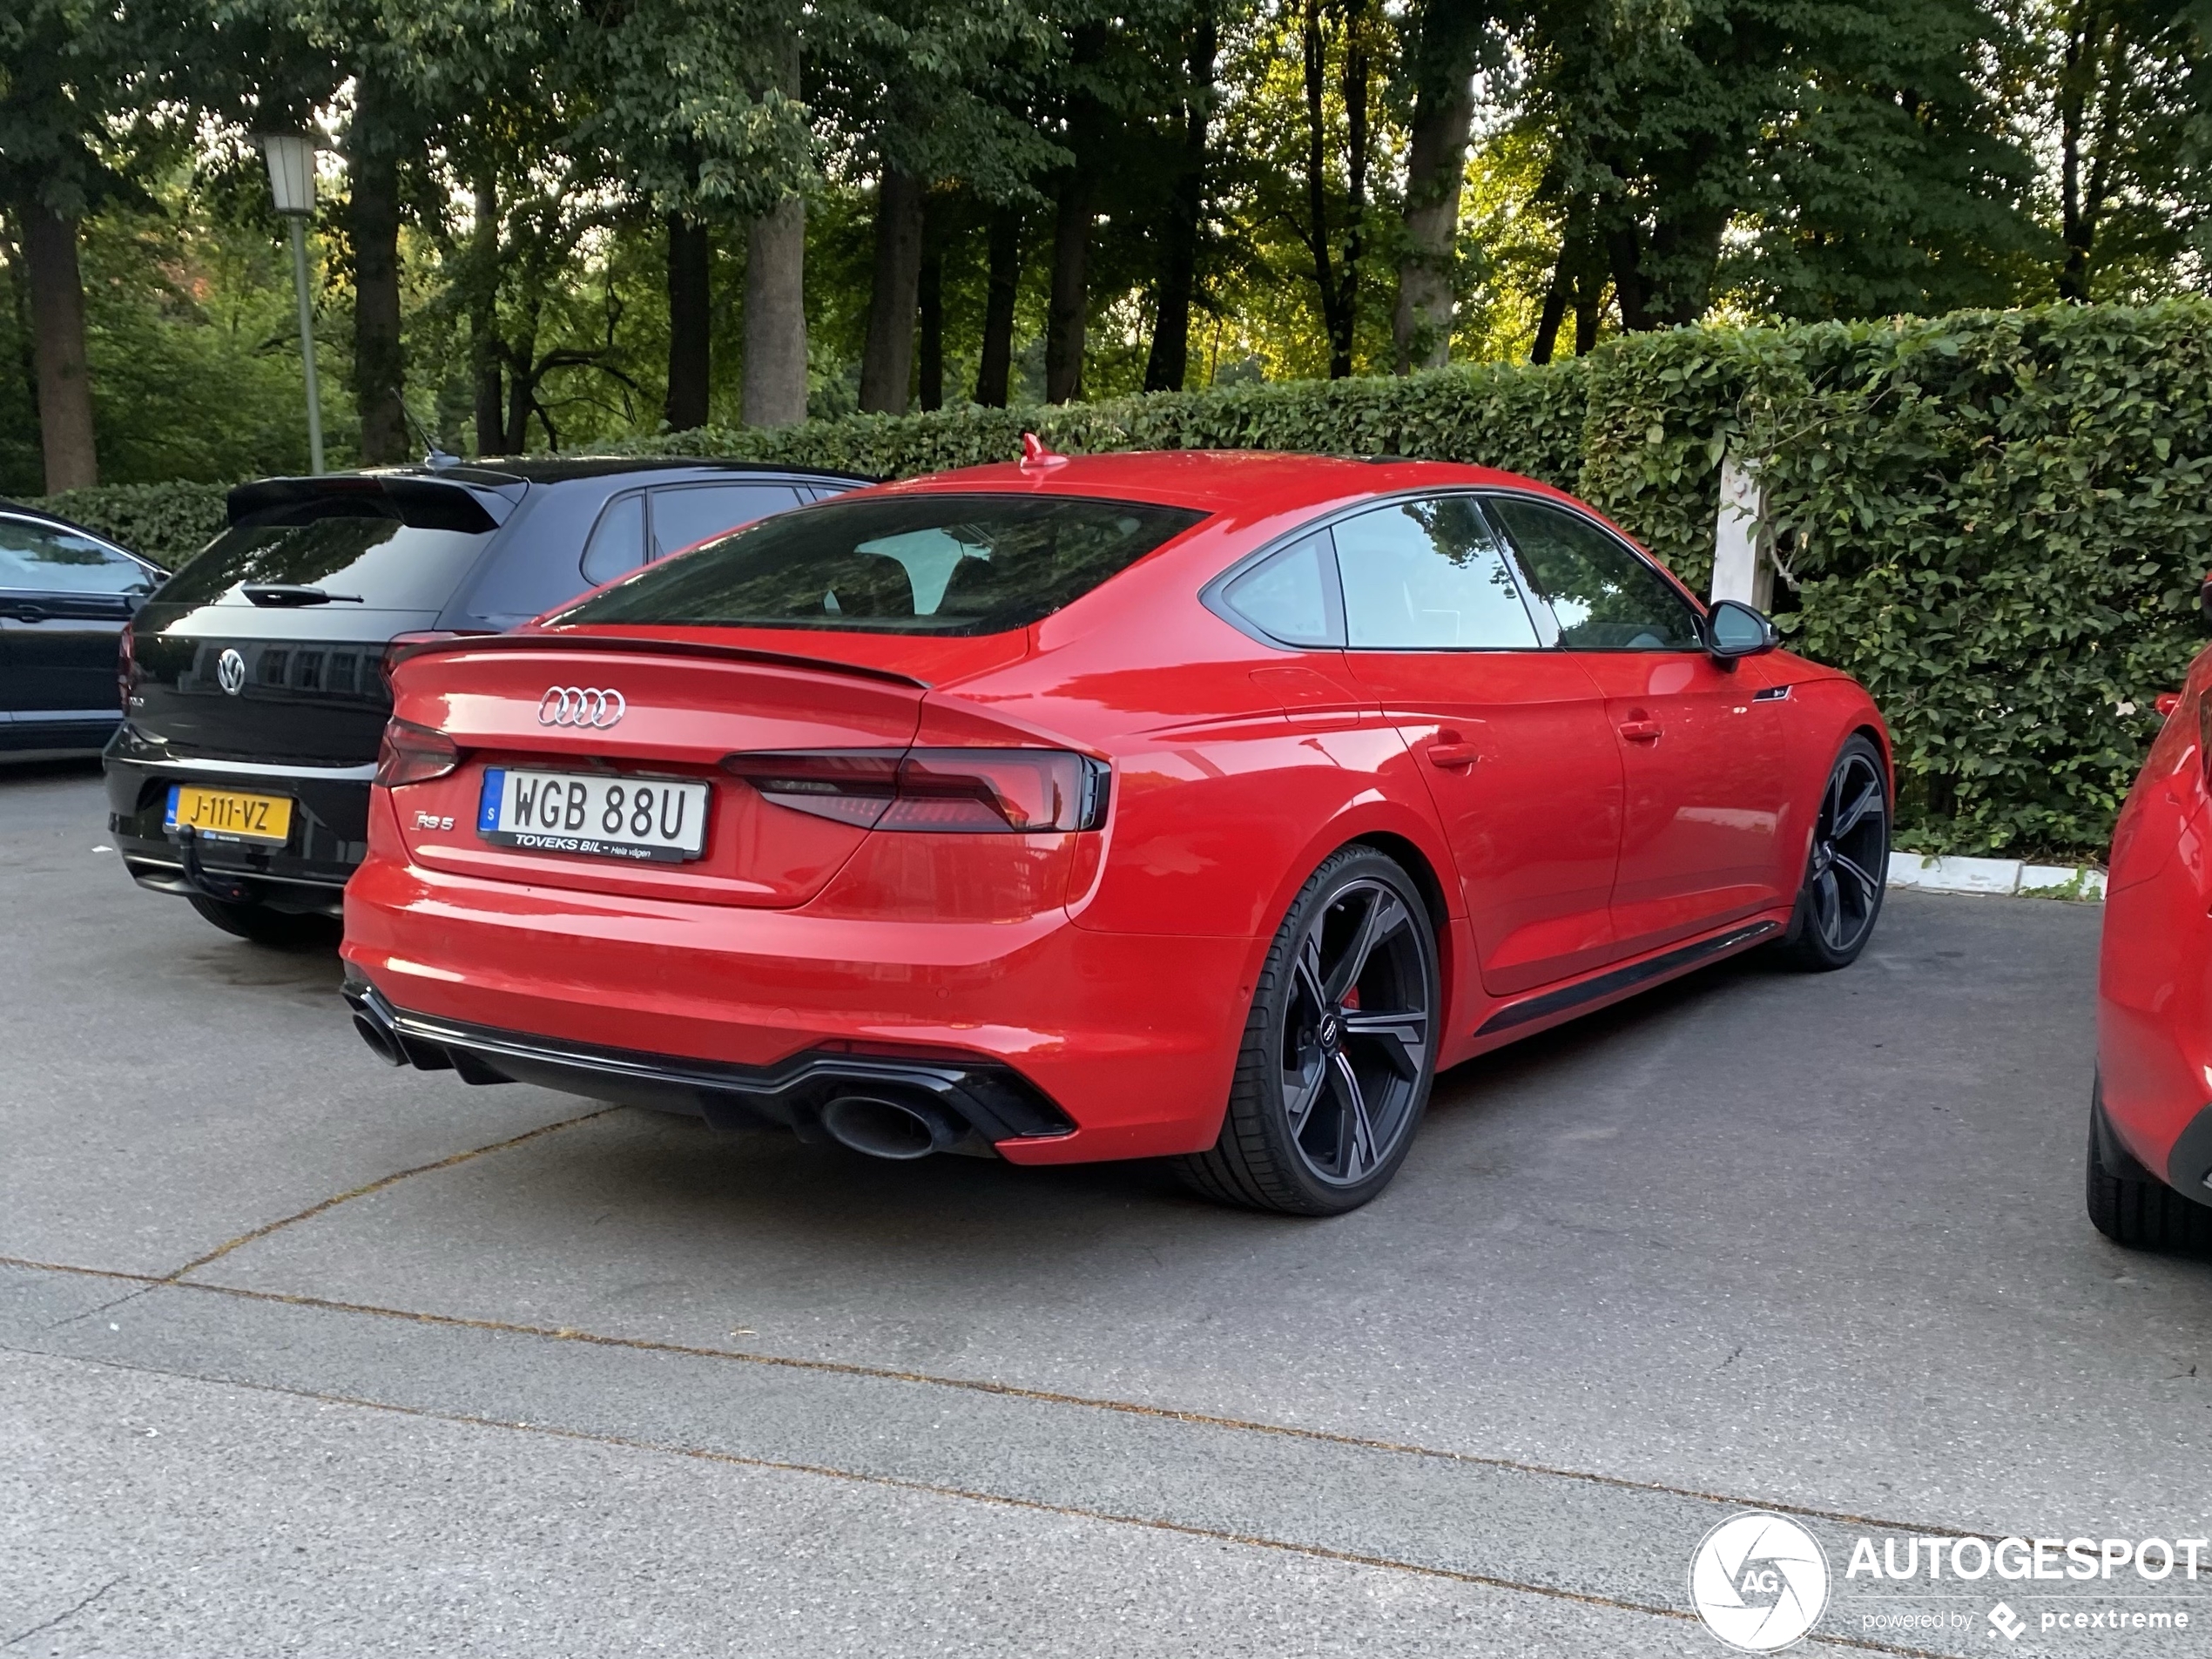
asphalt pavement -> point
(300, 1355)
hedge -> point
(1996, 520)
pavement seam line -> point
(377, 1185)
(60, 1619)
(1012, 1391)
(1253, 1541)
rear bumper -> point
(329, 832)
(995, 1104)
(1134, 1038)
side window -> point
(41, 558)
(1292, 597)
(1427, 576)
(617, 544)
(1606, 598)
(691, 513)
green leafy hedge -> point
(1997, 519)
(167, 522)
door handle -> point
(1452, 756)
(24, 613)
(1641, 730)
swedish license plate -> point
(229, 814)
(604, 816)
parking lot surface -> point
(302, 1355)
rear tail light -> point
(414, 754)
(126, 666)
(973, 790)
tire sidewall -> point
(1339, 872)
(1803, 936)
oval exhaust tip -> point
(887, 1129)
(385, 1045)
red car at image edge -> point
(1188, 805)
(2151, 1125)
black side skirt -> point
(1624, 979)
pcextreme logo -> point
(1759, 1581)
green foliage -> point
(167, 522)
(1997, 519)
(2000, 520)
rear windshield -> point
(377, 564)
(906, 565)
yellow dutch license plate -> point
(228, 815)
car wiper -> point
(293, 593)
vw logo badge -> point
(580, 705)
(230, 671)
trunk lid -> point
(267, 645)
(683, 708)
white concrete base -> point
(2001, 876)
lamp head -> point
(292, 171)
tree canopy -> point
(557, 223)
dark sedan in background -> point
(65, 593)
(253, 679)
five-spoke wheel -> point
(1339, 1050)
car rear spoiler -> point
(632, 644)
(424, 503)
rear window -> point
(913, 564)
(379, 564)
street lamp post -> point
(291, 181)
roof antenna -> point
(1036, 458)
(432, 457)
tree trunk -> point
(691, 322)
(58, 324)
(1589, 294)
(1070, 308)
(379, 372)
(929, 378)
(1354, 86)
(775, 294)
(1624, 252)
(1169, 363)
(1554, 310)
(886, 362)
(1436, 167)
(995, 366)
(522, 385)
(1317, 179)
(775, 316)
(483, 318)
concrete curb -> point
(2001, 876)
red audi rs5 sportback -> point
(1191, 805)
(2150, 1110)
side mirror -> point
(1733, 630)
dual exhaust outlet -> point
(881, 1120)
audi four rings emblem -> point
(580, 705)
(230, 671)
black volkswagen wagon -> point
(254, 691)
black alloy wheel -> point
(1340, 1049)
(1848, 869)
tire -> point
(280, 930)
(1340, 1049)
(2133, 1207)
(1847, 868)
